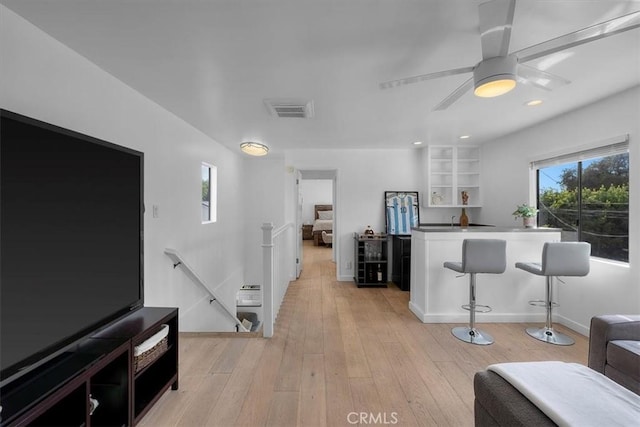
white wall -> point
(315, 192)
(361, 180)
(610, 287)
(264, 196)
(44, 79)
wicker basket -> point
(150, 355)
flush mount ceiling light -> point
(464, 136)
(254, 148)
(417, 143)
(495, 76)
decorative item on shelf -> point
(464, 219)
(436, 198)
(465, 197)
(369, 230)
(527, 213)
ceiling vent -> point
(291, 108)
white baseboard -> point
(574, 326)
(463, 317)
(496, 318)
(416, 310)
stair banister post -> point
(267, 273)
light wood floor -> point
(340, 350)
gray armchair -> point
(614, 348)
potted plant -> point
(527, 213)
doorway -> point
(317, 187)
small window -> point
(209, 193)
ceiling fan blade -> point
(423, 77)
(454, 96)
(585, 35)
(539, 78)
(496, 18)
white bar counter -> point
(437, 293)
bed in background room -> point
(323, 222)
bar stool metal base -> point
(550, 336)
(472, 335)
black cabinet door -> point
(401, 275)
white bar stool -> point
(558, 259)
(478, 256)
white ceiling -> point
(213, 62)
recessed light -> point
(533, 102)
(464, 136)
(417, 143)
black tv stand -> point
(100, 367)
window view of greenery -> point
(206, 193)
(589, 201)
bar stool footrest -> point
(479, 308)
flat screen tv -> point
(71, 231)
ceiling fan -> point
(499, 70)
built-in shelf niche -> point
(451, 170)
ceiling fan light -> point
(494, 88)
(495, 76)
(254, 148)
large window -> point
(586, 194)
